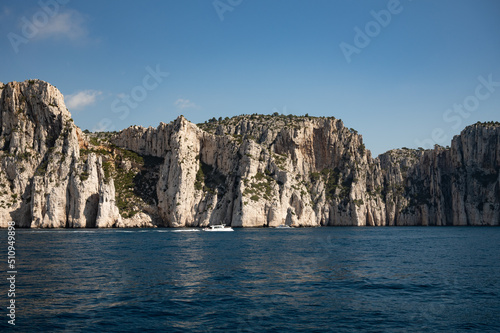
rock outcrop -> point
(247, 171)
(44, 180)
(459, 185)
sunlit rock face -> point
(254, 171)
(44, 181)
(247, 171)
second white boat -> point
(218, 227)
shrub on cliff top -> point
(488, 123)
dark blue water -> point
(257, 280)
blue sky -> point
(402, 73)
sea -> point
(329, 279)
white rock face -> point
(266, 171)
(248, 171)
(46, 184)
(108, 214)
(139, 220)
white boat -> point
(283, 226)
(218, 227)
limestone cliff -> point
(249, 171)
(459, 185)
(44, 181)
(303, 171)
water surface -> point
(387, 279)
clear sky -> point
(402, 73)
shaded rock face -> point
(254, 171)
(247, 171)
(457, 186)
(44, 182)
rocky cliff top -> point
(32, 116)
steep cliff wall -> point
(248, 171)
(459, 185)
(264, 171)
(303, 171)
(44, 181)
